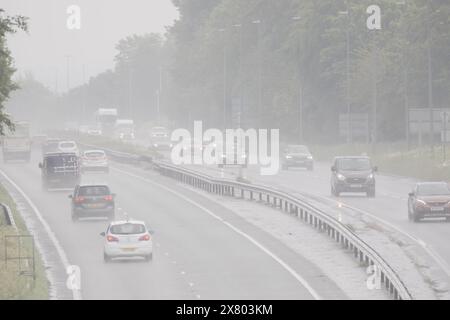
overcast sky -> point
(49, 45)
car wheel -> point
(334, 192)
(371, 193)
(106, 258)
(149, 257)
(416, 217)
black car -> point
(60, 170)
(93, 200)
(297, 156)
(353, 174)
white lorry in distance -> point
(17, 143)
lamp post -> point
(239, 27)
(430, 77)
(347, 72)
(259, 111)
(300, 88)
(405, 82)
(224, 120)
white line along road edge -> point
(62, 255)
(299, 278)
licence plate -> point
(128, 249)
(437, 209)
(355, 186)
(94, 205)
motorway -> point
(389, 207)
(202, 250)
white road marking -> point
(61, 253)
(299, 278)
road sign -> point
(359, 126)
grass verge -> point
(13, 285)
(395, 159)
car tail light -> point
(109, 198)
(145, 238)
(79, 199)
(112, 239)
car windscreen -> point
(93, 191)
(127, 229)
(297, 149)
(67, 145)
(433, 189)
(94, 154)
(354, 164)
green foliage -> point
(311, 50)
(8, 25)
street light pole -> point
(405, 80)
(430, 79)
(68, 71)
(239, 26)
(259, 111)
(347, 72)
(300, 88)
(224, 123)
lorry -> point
(60, 170)
(16, 144)
(106, 120)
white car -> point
(127, 239)
(68, 146)
(94, 160)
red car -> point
(429, 200)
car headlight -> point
(340, 177)
(370, 177)
(155, 145)
(288, 157)
(421, 202)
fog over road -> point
(196, 255)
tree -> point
(8, 25)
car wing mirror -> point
(411, 194)
(152, 232)
(333, 169)
(103, 234)
(70, 196)
(40, 165)
(375, 169)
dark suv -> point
(60, 170)
(92, 201)
(353, 174)
(297, 156)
